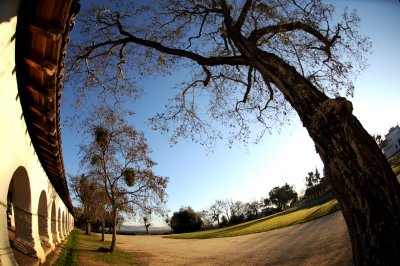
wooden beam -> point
(48, 67)
(52, 131)
(50, 140)
(49, 153)
(46, 93)
(50, 33)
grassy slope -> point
(300, 214)
(395, 163)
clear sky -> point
(198, 177)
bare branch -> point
(243, 14)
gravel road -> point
(324, 241)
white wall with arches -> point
(29, 205)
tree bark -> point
(88, 228)
(103, 224)
(114, 231)
(362, 180)
(359, 174)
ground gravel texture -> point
(324, 241)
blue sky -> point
(198, 177)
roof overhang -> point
(42, 35)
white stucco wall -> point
(392, 142)
(16, 149)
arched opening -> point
(43, 222)
(54, 223)
(63, 224)
(19, 214)
(67, 223)
(59, 224)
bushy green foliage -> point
(185, 220)
(313, 178)
(129, 175)
(101, 136)
(282, 196)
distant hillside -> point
(140, 230)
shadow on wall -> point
(8, 9)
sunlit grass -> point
(303, 213)
(89, 250)
(68, 254)
(395, 163)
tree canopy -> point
(282, 196)
(117, 157)
(185, 220)
(163, 35)
(247, 62)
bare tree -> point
(215, 211)
(227, 207)
(92, 199)
(117, 155)
(147, 220)
(254, 61)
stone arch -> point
(54, 223)
(43, 221)
(63, 223)
(59, 224)
(19, 204)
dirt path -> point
(324, 241)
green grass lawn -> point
(68, 254)
(395, 163)
(81, 249)
(305, 212)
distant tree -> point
(147, 223)
(185, 220)
(91, 197)
(267, 202)
(215, 211)
(79, 220)
(224, 221)
(207, 218)
(313, 178)
(226, 206)
(252, 209)
(282, 196)
(238, 212)
(379, 140)
(117, 156)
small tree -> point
(379, 140)
(185, 220)
(146, 216)
(92, 199)
(215, 211)
(282, 196)
(117, 156)
(252, 209)
(313, 178)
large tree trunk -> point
(114, 231)
(359, 174)
(362, 180)
(88, 228)
(103, 224)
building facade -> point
(392, 142)
(36, 212)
